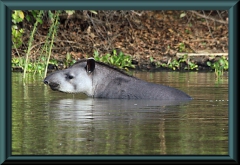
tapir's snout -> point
(54, 86)
(45, 82)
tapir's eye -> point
(69, 76)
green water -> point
(46, 122)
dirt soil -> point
(158, 35)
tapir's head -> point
(76, 79)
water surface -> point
(46, 122)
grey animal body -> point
(99, 80)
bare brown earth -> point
(159, 35)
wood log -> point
(201, 54)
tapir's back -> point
(161, 92)
(133, 88)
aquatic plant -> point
(219, 66)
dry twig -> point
(207, 17)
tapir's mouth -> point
(54, 86)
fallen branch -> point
(207, 17)
(202, 54)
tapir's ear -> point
(90, 65)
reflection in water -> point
(114, 123)
(81, 109)
(46, 122)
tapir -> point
(99, 80)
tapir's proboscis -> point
(99, 80)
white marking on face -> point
(76, 82)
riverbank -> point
(155, 40)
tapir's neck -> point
(102, 76)
(89, 88)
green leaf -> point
(14, 16)
(114, 52)
(93, 11)
(39, 20)
(151, 59)
(34, 14)
(209, 63)
(182, 15)
(28, 18)
(73, 61)
(14, 27)
(21, 30)
(21, 14)
(111, 61)
(70, 12)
